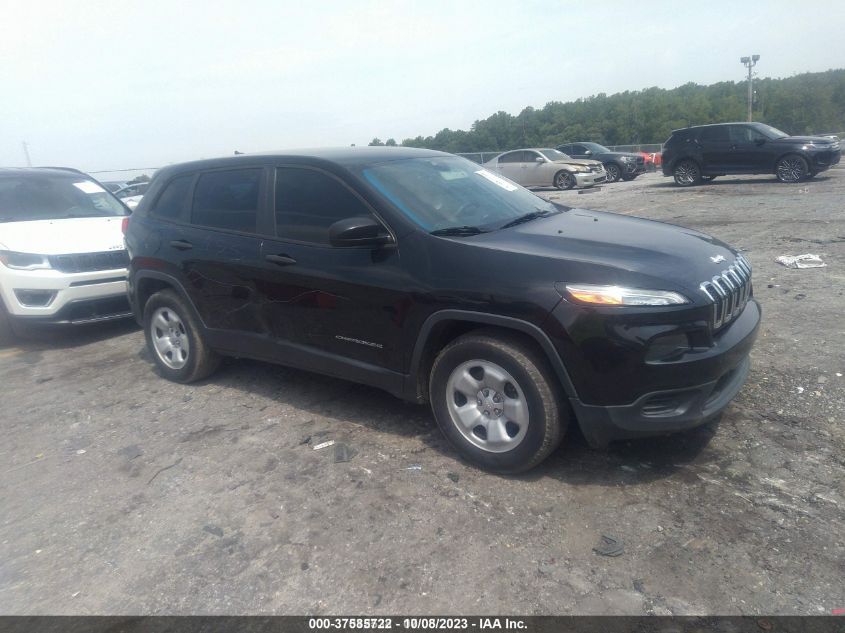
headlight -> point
(619, 296)
(23, 261)
(580, 169)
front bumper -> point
(633, 168)
(661, 412)
(620, 392)
(590, 179)
(825, 160)
(69, 297)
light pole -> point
(749, 63)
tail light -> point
(125, 224)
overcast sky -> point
(115, 84)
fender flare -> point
(169, 280)
(510, 323)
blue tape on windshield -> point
(371, 178)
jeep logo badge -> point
(717, 258)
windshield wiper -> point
(527, 218)
(458, 231)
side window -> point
(530, 157)
(227, 200)
(511, 157)
(714, 133)
(578, 150)
(744, 134)
(308, 202)
(566, 149)
(174, 201)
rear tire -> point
(614, 172)
(494, 396)
(175, 340)
(629, 177)
(564, 180)
(792, 168)
(687, 173)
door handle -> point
(181, 245)
(281, 260)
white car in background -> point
(546, 167)
(131, 194)
(132, 201)
(62, 257)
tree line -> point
(803, 104)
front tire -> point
(792, 168)
(614, 172)
(687, 173)
(175, 340)
(629, 177)
(564, 180)
(494, 396)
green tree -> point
(802, 104)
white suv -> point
(62, 258)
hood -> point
(607, 248)
(59, 237)
(619, 154)
(804, 139)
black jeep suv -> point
(624, 165)
(426, 275)
(701, 153)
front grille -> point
(729, 291)
(89, 262)
(640, 160)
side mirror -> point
(539, 159)
(359, 231)
(588, 153)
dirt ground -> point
(121, 493)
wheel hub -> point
(490, 403)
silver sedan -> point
(544, 167)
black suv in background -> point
(696, 154)
(428, 276)
(624, 165)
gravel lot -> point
(121, 493)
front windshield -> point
(769, 131)
(51, 197)
(595, 148)
(553, 154)
(446, 192)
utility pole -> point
(749, 63)
(26, 153)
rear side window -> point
(716, 133)
(745, 134)
(308, 202)
(227, 200)
(174, 201)
(511, 157)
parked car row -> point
(422, 273)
